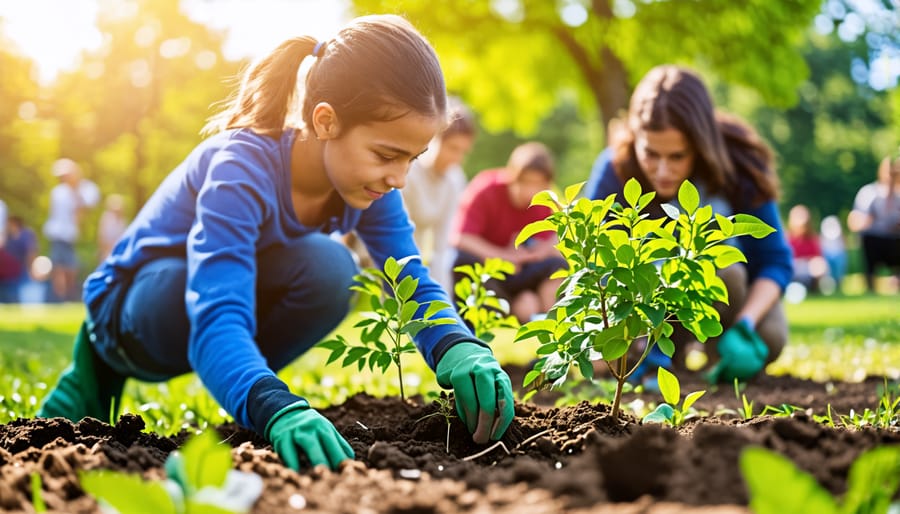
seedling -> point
(393, 314)
(445, 409)
(776, 485)
(629, 278)
(200, 481)
(479, 306)
(37, 497)
(669, 412)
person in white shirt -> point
(68, 201)
(433, 188)
(3, 213)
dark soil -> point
(572, 459)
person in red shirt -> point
(809, 264)
(494, 208)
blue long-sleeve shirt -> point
(229, 200)
(769, 257)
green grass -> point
(838, 337)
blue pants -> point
(302, 294)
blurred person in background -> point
(674, 133)
(494, 208)
(810, 266)
(111, 226)
(834, 250)
(68, 202)
(229, 270)
(22, 248)
(876, 217)
(433, 188)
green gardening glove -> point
(743, 354)
(482, 390)
(297, 428)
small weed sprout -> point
(393, 314)
(446, 410)
(37, 496)
(479, 306)
(669, 412)
(629, 278)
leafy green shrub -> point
(479, 306)
(629, 278)
(392, 314)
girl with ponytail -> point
(229, 270)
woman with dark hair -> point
(673, 133)
(229, 271)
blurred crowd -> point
(457, 222)
(32, 272)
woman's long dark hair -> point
(731, 158)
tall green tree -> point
(134, 108)
(513, 59)
(23, 138)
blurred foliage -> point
(554, 71)
(512, 59)
(129, 113)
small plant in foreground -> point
(777, 486)
(629, 278)
(446, 410)
(479, 306)
(393, 313)
(671, 390)
(37, 498)
(200, 481)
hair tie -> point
(319, 45)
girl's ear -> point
(325, 121)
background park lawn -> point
(837, 337)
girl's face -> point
(666, 158)
(370, 160)
(452, 150)
(528, 184)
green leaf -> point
(407, 311)
(663, 413)
(873, 480)
(127, 493)
(688, 197)
(586, 367)
(666, 346)
(614, 348)
(533, 228)
(547, 199)
(37, 496)
(746, 224)
(392, 268)
(632, 191)
(356, 353)
(206, 462)
(406, 288)
(776, 486)
(530, 377)
(534, 328)
(195, 507)
(725, 255)
(434, 307)
(668, 385)
(572, 191)
(656, 314)
(725, 225)
(690, 399)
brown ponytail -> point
(267, 91)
